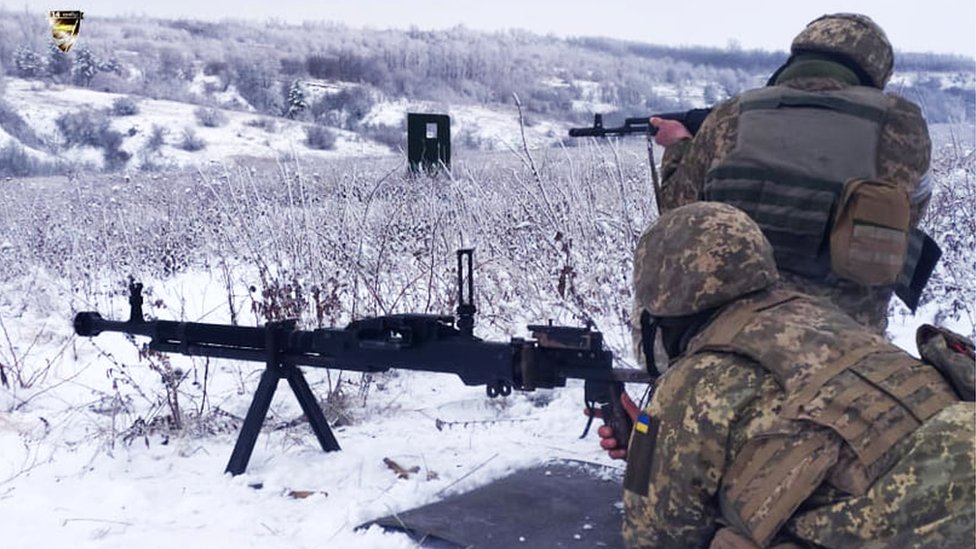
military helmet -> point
(700, 256)
(853, 37)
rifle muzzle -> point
(88, 324)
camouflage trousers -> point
(926, 500)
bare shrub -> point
(12, 123)
(267, 124)
(157, 138)
(23, 365)
(951, 221)
(84, 127)
(209, 117)
(191, 142)
(256, 81)
(320, 138)
(393, 137)
(354, 103)
(124, 106)
(16, 162)
(93, 129)
(150, 154)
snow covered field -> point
(90, 452)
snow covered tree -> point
(27, 63)
(712, 94)
(58, 62)
(85, 67)
(110, 65)
(295, 100)
(255, 81)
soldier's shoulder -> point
(900, 106)
(718, 127)
(906, 132)
(710, 373)
(727, 108)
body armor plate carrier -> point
(796, 152)
(850, 398)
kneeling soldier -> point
(781, 421)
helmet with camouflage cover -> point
(698, 257)
(852, 37)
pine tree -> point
(85, 67)
(296, 100)
(58, 62)
(26, 62)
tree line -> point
(263, 62)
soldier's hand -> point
(616, 449)
(669, 132)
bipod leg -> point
(252, 423)
(274, 370)
(311, 408)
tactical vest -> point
(795, 151)
(850, 398)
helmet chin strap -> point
(676, 333)
(649, 325)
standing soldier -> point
(820, 146)
(782, 422)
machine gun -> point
(424, 342)
(692, 120)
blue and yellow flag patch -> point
(643, 423)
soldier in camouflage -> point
(838, 59)
(782, 422)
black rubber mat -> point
(561, 504)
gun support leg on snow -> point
(273, 373)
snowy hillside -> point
(246, 135)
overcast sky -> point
(944, 26)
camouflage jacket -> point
(850, 485)
(903, 158)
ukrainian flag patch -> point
(643, 423)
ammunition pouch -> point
(869, 237)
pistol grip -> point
(616, 416)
